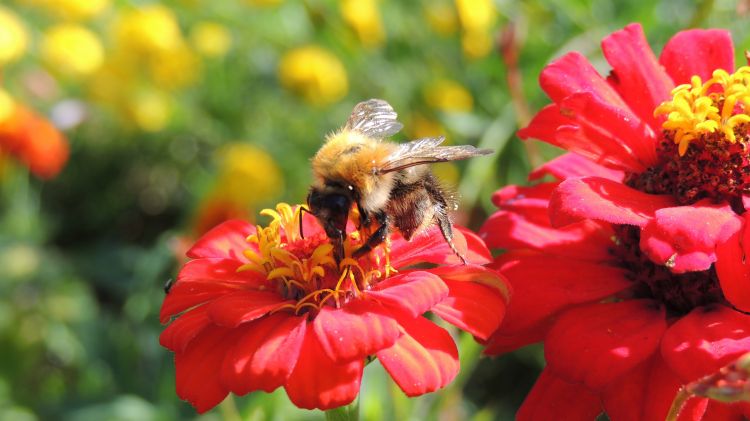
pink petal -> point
(733, 268)
(598, 198)
(265, 354)
(705, 340)
(543, 285)
(596, 343)
(423, 359)
(197, 368)
(224, 241)
(687, 236)
(697, 52)
(552, 398)
(242, 306)
(636, 74)
(614, 128)
(414, 292)
(570, 165)
(184, 329)
(583, 240)
(530, 201)
(319, 382)
(472, 307)
(358, 329)
(544, 124)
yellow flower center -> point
(715, 110)
(303, 268)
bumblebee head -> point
(331, 207)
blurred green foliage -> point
(84, 257)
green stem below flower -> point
(344, 413)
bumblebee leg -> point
(441, 215)
(377, 237)
(447, 230)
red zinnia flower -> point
(683, 154)
(621, 334)
(34, 141)
(259, 308)
(631, 269)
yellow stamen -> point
(720, 105)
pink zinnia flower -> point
(259, 308)
(631, 269)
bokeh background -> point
(176, 115)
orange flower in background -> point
(33, 140)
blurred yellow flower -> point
(71, 9)
(111, 83)
(71, 50)
(13, 37)
(150, 110)
(363, 17)
(422, 126)
(448, 173)
(477, 18)
(148, 30)
(175, 68)
(7, 105)
(441, 17)
(211, 39)
(450, 96)
(315, 74)
(248, 175)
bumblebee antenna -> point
(303, 209)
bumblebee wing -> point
(374, 118)
(427, 151)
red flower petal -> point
(265, 355)
(697, 52)
(647, 392)
(596, 343)
(598, 198)
(573, 73)
(226, 241)
(687, 236)
(584, 240)
(613, 127)
(203, 280)
(722, 411)
(532, 202)
(552, 398)
(197, 368)
(431, 247)
(242, 306)
(733, 268)
(472, 307)
(319, 382)
(184, 329)
(572, 165)
(423, 359)
(705, 340)
(543, 285)
(358, 329)
(544, 125)
(477, 274)
(502, 342)
(636, 74)
(414, 292)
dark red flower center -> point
(679, 293)
(703, 146)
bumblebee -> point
(389, 183)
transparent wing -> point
(374, 118)
(426, 151)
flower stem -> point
(228, 410)
(679, 401)
(344, 413)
